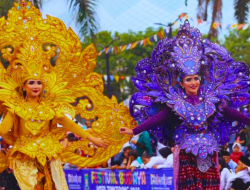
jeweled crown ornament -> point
(187, 51)
(23, 41)
(29, 42)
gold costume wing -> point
(43, 48)
(111, 116)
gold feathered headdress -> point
(38, 48)
(30, 43)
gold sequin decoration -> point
(29, 42)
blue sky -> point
(137, 15)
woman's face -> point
(33, 88)
(145, 160)
(227, 159)
(191, 84)
(236, 149)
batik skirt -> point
(191, 178)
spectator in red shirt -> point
(242, 138)
(236, 154)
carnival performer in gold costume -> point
(35, 95)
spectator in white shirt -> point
(226, 156)
(225, 173)
(149, 161)
(167, 154)
(241, 179)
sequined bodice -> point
(194, 134)
(23, 130)
(34, 118)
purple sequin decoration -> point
(222, 78)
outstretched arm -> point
(235, 115)
(6, 124)
(76, 129)
(153, 121)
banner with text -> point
(105, 179)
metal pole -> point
(168, 26)
(108, 75)
(170, 30)
(108, 68)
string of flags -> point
(163, 33)
(159, 35)
(117, 49)
(116, 78)
(228, 26)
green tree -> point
(5, 6)
(241, 12)
(238, 43)
(123, 63)
(85, 16)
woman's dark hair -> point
(127, 148)
(24, 91)
(71, 137)
(24, 94)
(223, 164)
(242, 130)
(145, 155)
(164, 152)
(133, 153)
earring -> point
(24, 94)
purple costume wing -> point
(230, 81)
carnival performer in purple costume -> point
(198, 84)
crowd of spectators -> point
(234, 163)
(143, 151)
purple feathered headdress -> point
(188, 54)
